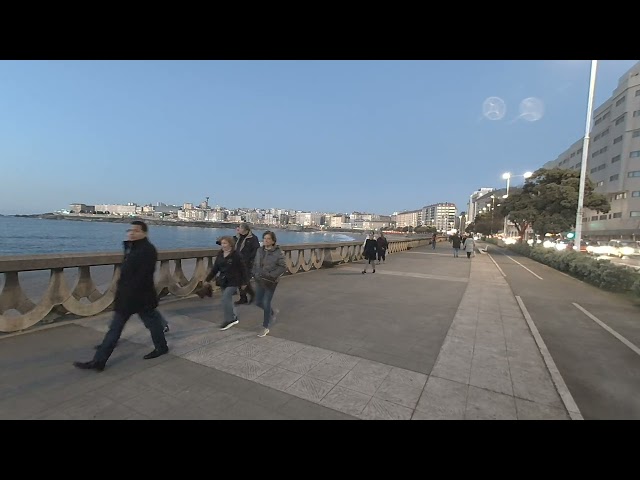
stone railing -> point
(18, 312)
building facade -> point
(613, 161)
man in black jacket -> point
(135, 293)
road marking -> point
(414, 275)
(608, 328)
(532, 273)
(496, 264)
(563, 390)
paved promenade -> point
(428, 336)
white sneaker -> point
(224, 326)
(264, 332)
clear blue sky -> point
(374, 136)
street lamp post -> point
(585, 154)
(493, 207)
(507, 176)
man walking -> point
(247, 245)
(135, 293)
(456, 242)
(382, 247)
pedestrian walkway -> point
(425, 337)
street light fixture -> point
(507, 176)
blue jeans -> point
(152, 319)
(456, 251)
(228, 307)
(263, 301)
(433, 244)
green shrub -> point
(603, 274)
(616, 278)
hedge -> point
(603, 274)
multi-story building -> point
(215, 216)
(613, 162)
(308, 219)
(412, 218)
(271, 219)
(472, 207)
(336, 221)
(374, 225)
(115, 209)
(81, 207)
(440, 215)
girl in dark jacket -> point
(370, 251)
(232, 273)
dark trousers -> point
(469, 254)
(263, 301)
(382, 254)
(152, 319)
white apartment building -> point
(336, 221)
(613, 162)
(374, 224)
(472, 207)
(115, 209)
(308, 219)
(412, 218)
(440, 215)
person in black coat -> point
(135, 293)
(231, 273)
(383, 244)
(456, 242)
(370, 251)
(247, 244)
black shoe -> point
(91, 365)
(242, 301)
(166, 329)
(156, 353)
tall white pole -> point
(585, 154)
(504, 233)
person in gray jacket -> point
(268, 266)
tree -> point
(548, 202)
(425, 229)
(486, 223)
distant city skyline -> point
(317, 136)
(197, 204)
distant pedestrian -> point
(230, 272)
(268, 266)
(434, 239)
(370, 248)
(135, 293)
(382, 247)
(469, 246)
(456, 242)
